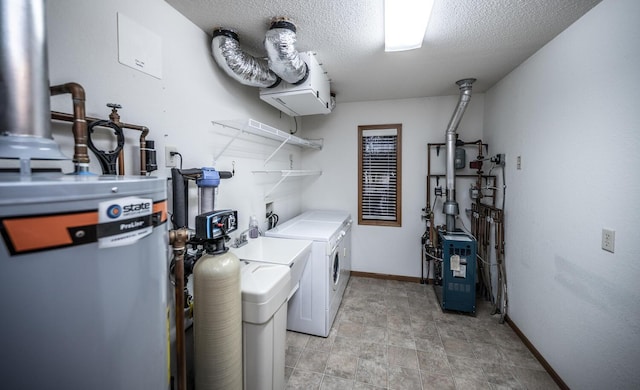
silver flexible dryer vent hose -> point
(450, 208)
(284, 59)
(242, 67)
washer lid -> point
(326, 215)
(311, 230)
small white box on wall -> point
(138, 47)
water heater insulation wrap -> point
(218, 322)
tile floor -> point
(393, 335)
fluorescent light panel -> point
(405, 23)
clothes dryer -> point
(313, 308)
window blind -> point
(379, 172)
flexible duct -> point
(241, 66)
(451, 206)
(25, 128)
(284, 59)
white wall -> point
(571, 112)
(386, 250)
(179, 108)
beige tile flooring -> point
(393, 335)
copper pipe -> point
(80, 132)
(143, 151)
(178, 240)
(61, 116)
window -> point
(379, 175)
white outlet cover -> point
(608, 240)
(139, 48)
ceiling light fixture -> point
(405, 23)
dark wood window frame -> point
(380, 191)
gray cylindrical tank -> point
(79, 313)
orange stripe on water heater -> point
(162, 208)
(33, 233)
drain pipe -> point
(284, 59)
(450, 208)
(25, 128)
(242, 67)
(79, 129)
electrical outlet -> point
(608, 239)
(170, 160)
(519, 162)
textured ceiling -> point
(484, 39)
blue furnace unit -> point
(458, 290)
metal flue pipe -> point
(450, 208)
(25, 128)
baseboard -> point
(554, 375)
(386, 276)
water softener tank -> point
(83, 282)
(217, 322)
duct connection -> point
(284, 62)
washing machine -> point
(313, 308)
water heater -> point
(83, 282)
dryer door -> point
(335, 268)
